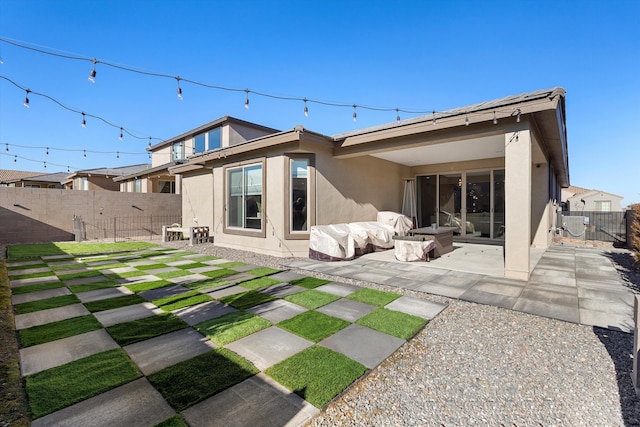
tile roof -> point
(7, 175)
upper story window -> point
(177, 151)
(207, 141)
(603, 205)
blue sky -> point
(413, 55)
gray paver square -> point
(180, 262)
(201, 312)
(55, 353)
(25, 263)
(167, 291)
(608, 304)
(277, 311)
(488, 298)
(244, 268)
(43, 317)
(545, 309)
(450, 280)
(74, 271)
(126, 314)
(100, 294)
(11, 273)
(282, 290)
(337, 288)
(99, 263)
(191, 278)
(16, 283)
(39, 295)
(553, 280)
(216, 261)
(136, 263)
(269, 346)
(287, 276)
(135, 404)
(416, 307)
(363, 345)
(61, 256)
(199, 270)
(447, 291)
(86, 280)
(346, 309)
(157, 353)
(162, 270)
(223, 291)
(118, 270)
(237, 278)
(137, 279)
(615, 321)
(550, 296)
(257, 401)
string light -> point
(466, 119)
(92, 73)
(85, 154)
(434, 118)
(495, 119)
(77, 150)
(84, 121)
(68, 169)
(45, 165)
(7, 147)
(518, 112)
(246, 100)
(397, 115)
(118, 156)
(179, 89)
(26, 99)
(47, 153)
(306, 109)
(120, 137)
(149, 145)
(355, 115)
(15, 159)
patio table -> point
(442, 236)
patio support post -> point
(517, 203)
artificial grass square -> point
(150, 266)
(127, 274)
(309, 282)
(44, 304)
(317, 374)
(110, 266)
(373, 297)
(73, 248)
(189, 382)
(392, 322)
(35, 288)
(144, 329)
(192, 265)
(313, 325)
(231, 327)
(62, 268)
(214, 274)
(173, 274)
(86, 287)
(263, 271)
(81, 275)
(57, 330)
(147, 286)
(205, 284)
(26, 267)
(32, 275)
(260, 282)
(204, 258)
(247, 299)
(230, 264)
(65, 385)
(174, 421)
(183, 300)
(108, 304)
(311, 299)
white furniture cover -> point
(400, 223)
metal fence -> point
(602, 226)
(124, 228)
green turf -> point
(260, 282)
(192, 265)
(81, 275)
(205, 258)
(373, 297)
(205, 284)
(117, 302)
(72, 248)
(27, 267)
(35, 288)
(231, 327)
(127, 274)
(175, 421)
(143, 329)
(313, 325)
(109, 266)
(309, 282)
(172, 274)
(391, 322)
(58, 330)
(32, 275)
(246, 300)
(85, 287)
(150, 266)
(29, 307)
(263, 271)
(183, 300)
(311, 299)
(62, 268)
(219, 273)
(147, 286)
(230, 264)
(189, 382)
(317, 374)
(65, 385)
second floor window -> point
(207, 141)
(177, 151)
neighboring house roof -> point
(110, 172)
(7, 175)
(58, 178)
(575, 190)
(147, 172)
(590, 193)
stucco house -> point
(32, 179)
(103, 178)
(578, 199)
(495, 167)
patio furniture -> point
(413, 248)
(195, 235)
(442, 237)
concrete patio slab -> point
(236, 278)
(416, 307)
(39, 295)
(43, 317)
(180, 262)
(136, 404)
(245, 268)
(339, 289)
(23, 263)
(191, 278)
(500, 286)
(346, 309)
(167, 291)
(546, 309)
(608, 304)
(99, 263)
(277, 311)
(615, 321)
(100, 294)
(254, 402)
(61, 256)
(162, 270)
(269, 346)
(86, 280)
(55, 353)
(216, 261)
(287, 276)
(282, 290)
(157, 353)
(363, 345)
(16, 283)
(74, 271)
(447, 291)
(137, 279)
(199, 270)
(223, 291)
(126, 314)
(12, 273)
(201, 312)
(118, 270)
(488, 298)
(139, 262)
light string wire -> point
(123, 129)
(16, 156)
(79, 150)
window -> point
(32, 186)
(177, 151)
(245, 196)
(80, 184)
(207, 141)
(166, 187)
(299, 195)
(603, 205)
(137, 186)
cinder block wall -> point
(30, 215)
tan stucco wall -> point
(590, 199)
(197, 199)
(482, 164)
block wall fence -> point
(35, 215)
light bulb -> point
(47, 153)
(518, 116)
(45, 165)
(26, 99)
(466, 120)
(179, 89)
(355, 115)
(15, 159)
(306, 109)
(149, 145)
(397, 115)
(68, 169)
(434, 118)
(85, 153)
(92, 73)
(7, 147)
(495, 120)
(120, 134)
(246, 100)
(118, 155)
(84, 122)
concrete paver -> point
(137, 279)
(12, 273)
(42, 317)
(16, 283)
(277, 311)
(192, 278)
(39, 295)
(126, 314)
(166, 350)
(282, 290)
(201, 312)
(416, 307)
(161, 270)
(86, 280)
(337, 288)
(223, 291)
(200, 270)
(117, 270)
(100, 294)
(167, 291)
(136, 404)
(55, 353)
(346, 309)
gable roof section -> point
(113, 172)
(590, 193)
(147, 172)
(58, 178)
(8, 175)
